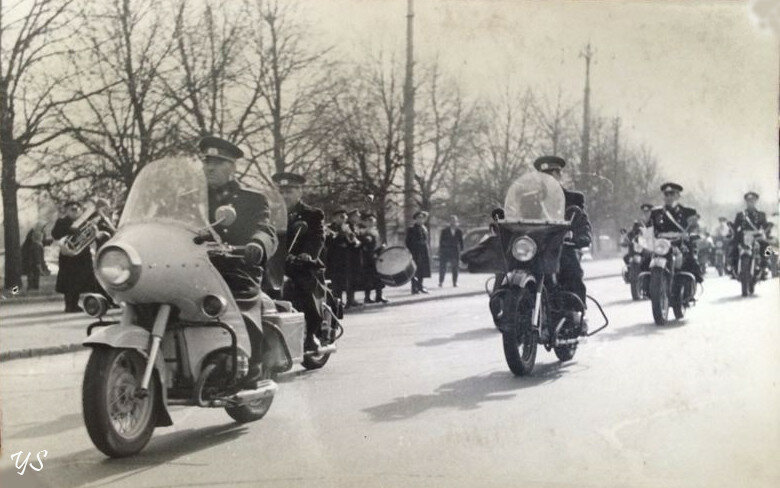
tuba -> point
(89, 227)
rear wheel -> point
(636, 285)
(520, 341)
(746, 276)
(565, 353)
(659, 297)
(253, 411)
(678, 298)
(119, 420)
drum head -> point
(395, 266)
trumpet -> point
(89, 227)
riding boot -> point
(380, 298)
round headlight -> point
(213, 306)
(115, 266)
(662, 246)
(524, 248)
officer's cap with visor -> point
(751, 195)
(288, 180)
(420, 212)
(548, 164)
(646, 206)
(215, 150)
(671, 187)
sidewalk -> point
(29, 329)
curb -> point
(31, 299)
(75, 347)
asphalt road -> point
(419, 395)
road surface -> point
(419, 395)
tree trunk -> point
(381, 217)
(13, 252)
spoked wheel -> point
(636, 285)
(746, 276)
(119, 420)
(565, 353)
(659, 297)
(520, 341)
(315, 361)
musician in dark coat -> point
(305, 291)
(355, 282)
(33, 264)
(418, 243)
(75, 272)
(371, 244)
(339, 243)
(571, 275)
(450, 247)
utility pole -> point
(585, 153)
(409, 118)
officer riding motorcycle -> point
(721, 237)
(748, 254)
(674, 270)
(637, 259)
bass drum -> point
(395, 266)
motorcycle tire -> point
(633, 275)
(678, 299)
(745, 275)
(720, 270)
(520, 363)
(315, 362)
(565, 353)
(659, 297)
(113, 375)
(254, 411)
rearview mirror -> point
(225, 215)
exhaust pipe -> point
(329, 349)
(265, 389)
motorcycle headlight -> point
(116, 268)
(523, 248)
(662, 247)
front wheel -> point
(520, 340)
(678, 298)
(119, 419)
(746, 275)
(659, 297)
(636, 285)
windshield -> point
(535, 197)
(172, 190)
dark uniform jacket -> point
(582, 234)
(661, 222)
(339, 245)
(417, 241)
(75, 273)
(370, 245)
(743, 220)
(252, 224)
(450, 243)
(309, 242)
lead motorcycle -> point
(528, 305)
(670, 286)
(188, 312)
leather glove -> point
(254, 254)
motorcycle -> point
(719, 256)
(528, 305)
(189, 315)
(669, 285)
(750, 268)
(632, 273)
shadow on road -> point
(90, 466)
(54, 427)
(468, 393)
(461, 336)
(625, 301)
(636, 330)
(733, 298)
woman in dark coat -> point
(418, 243)
(75, 275)
(33, 264)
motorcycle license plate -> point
(658, 262)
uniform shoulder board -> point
(251, 189)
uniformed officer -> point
(305, 290)
(251, 227)
(673, 217)
(750, 219)
(571, 274)
(339, 243)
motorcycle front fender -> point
(520, 278)
(125, 336)
(658, 262)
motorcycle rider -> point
(724, 233)
(251, 227)
(303, 259)
(571, 274)
(637, 230)
(750, 219)
(673, 217)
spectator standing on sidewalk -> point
(418, 243)
(450, 247)
(75, 274)
(33, 264)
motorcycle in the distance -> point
(719, 254)
(528, 305)
(750, 264)
(670, 286)
(189, 311)
(632, 273)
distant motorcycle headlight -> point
(662, 247)
(116, 267)
(524, 248)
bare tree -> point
(34, 37)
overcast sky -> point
(696, 81)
